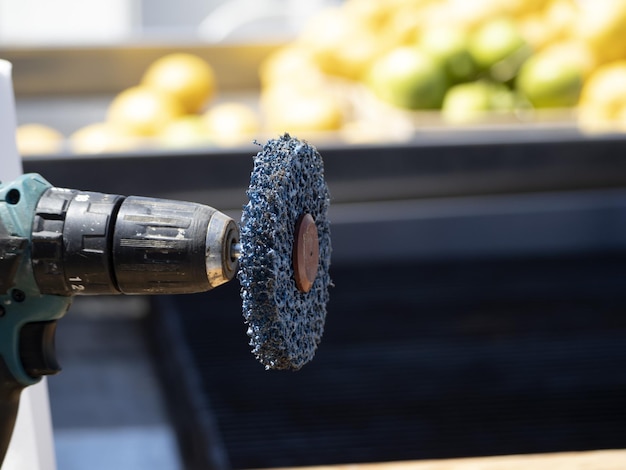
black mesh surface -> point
(428, 360)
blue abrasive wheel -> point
(285, 255)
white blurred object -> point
(243, 20)
(31, 447)
(10, 162)
(66, 21)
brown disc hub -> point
(306, 253)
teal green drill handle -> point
(21, 302)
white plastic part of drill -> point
(32, 446)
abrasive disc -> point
(285, 255)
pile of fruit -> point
(356, 68)
(472, 60)
(172, 106)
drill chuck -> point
(92, 243)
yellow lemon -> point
(323, 34)
(302, 112)
(186, 76)
(143, 111)
(340, 45)
(535, 32)
(230, 123)
(37, 139)
(292, 65)
(603, 97)
(602, 24)
(551, 24)
(606, 87)
(358, 53)
(100, 137)
(186, 131)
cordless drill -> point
(56, 243)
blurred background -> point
(475, 157)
